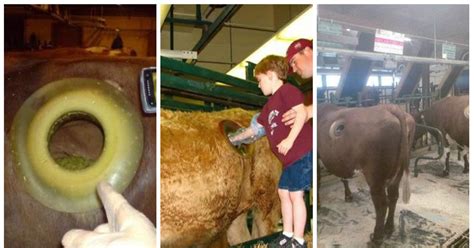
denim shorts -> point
(299, 175)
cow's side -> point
(449, 116)
(206, 185)
(27, 222)
(375, 140)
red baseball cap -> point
(295, 47)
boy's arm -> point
(286, 144)
(242, 135)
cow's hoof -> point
(445, 173)
(67, 188)
(465, 171)
(374, 243)
(388, 230)
(348, 198)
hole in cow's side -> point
(76, 140)
(339, 129)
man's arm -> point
(289, 116)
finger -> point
(289, 121)
(112, 203)
(120, 214)
(104, 228)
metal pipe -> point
(177, 66)
(226, 13)
(53, 15)
(394, 57)
(373, 29)
(210, 89)
(248, 27)
(440, 147)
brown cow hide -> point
(27, 222)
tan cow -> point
(207, 187)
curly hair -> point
(273, 63)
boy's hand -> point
(284, 146)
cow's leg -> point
(392, 192)
(465, 151)
(379, 198)
(347, 190)
(318, 184)
(264, 222)
(219, 242)
(446, 170)
(445, 159)
(238, 231)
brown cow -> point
(375, 140)
(27, 222)
(451, 116)
(206, 185)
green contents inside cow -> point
(74, 162)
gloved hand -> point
(127, 227)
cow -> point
(451, 116)
(375, 140)
(207, 187)
(27, 222)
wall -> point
(136, 32)
(230, 45)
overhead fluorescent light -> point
(302, 26)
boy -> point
(292, 146)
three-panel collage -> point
(197, 125)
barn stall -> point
(73, 117)
(415, 57)
(214, 194)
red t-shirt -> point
(286, 97)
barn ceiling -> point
(246, 30)
(449, 22)
(85, 10)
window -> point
(373, 81)
(319, 81)
(332, 80)
(387, 81)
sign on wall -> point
(388, 42)
(448, 51)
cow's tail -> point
(403, 158)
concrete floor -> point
(438, 209)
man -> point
(300, 58)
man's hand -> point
(289, 116)
(284, 146)
(127, 227)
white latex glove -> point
(127, 227)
